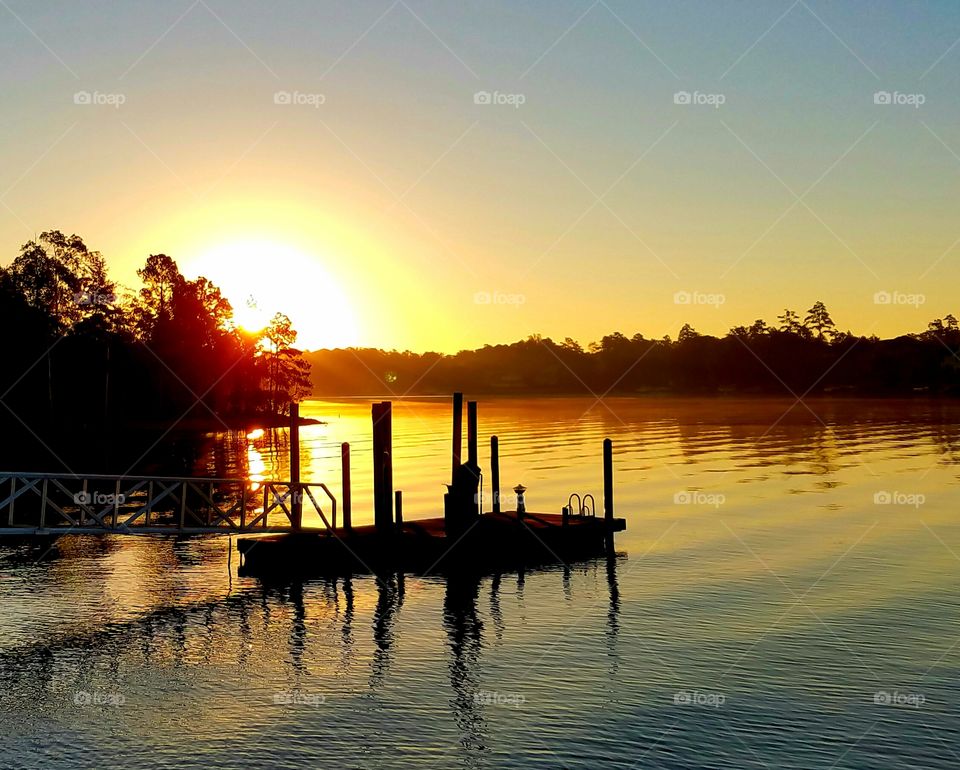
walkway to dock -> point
(44, 503)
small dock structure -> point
(473, 532)
(465, 537)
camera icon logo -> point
(682, 298)
(482, 298)
(83, 97)
(682, 97)
(82, 498)
(483, 97)
(882, 498)
(283, 97)
(882, 298)
(883, 97)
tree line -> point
(89, 364)
(797, 354)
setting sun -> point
(261, 278)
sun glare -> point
(262, 278)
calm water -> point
(786, 596)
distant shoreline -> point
(740, 396)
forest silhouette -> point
(97, 373)
(94, 372)
(795, 356)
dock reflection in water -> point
(290, 672)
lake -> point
(786, 595)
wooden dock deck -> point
(493, 540)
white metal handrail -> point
(104, 503)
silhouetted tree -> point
(819, 320)
(136, 364)
(287, 374)
(790, 323)
(161, 277)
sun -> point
(262, 278)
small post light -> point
(521, 505)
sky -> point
(428, 175)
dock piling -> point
(495, 472)
(388, 464)
(398, 510)
(382, 414)
(296, 507)
(457, 434)
(345, 483)
(608, 490)
(472, 456)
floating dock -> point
(465, 538)
(505, 540)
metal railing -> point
(44, 502)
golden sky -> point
(431, 175)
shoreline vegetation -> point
(793, 356)
(107, 377)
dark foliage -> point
(95, 378)
(798, 357)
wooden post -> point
(472, 457)
(382, 467)
(495, 472)
(377, 416)
(398, 509)
(388, 465)
(608, 490)
(457, 434)
(296, 508)
(565, 516)
(345, 479)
